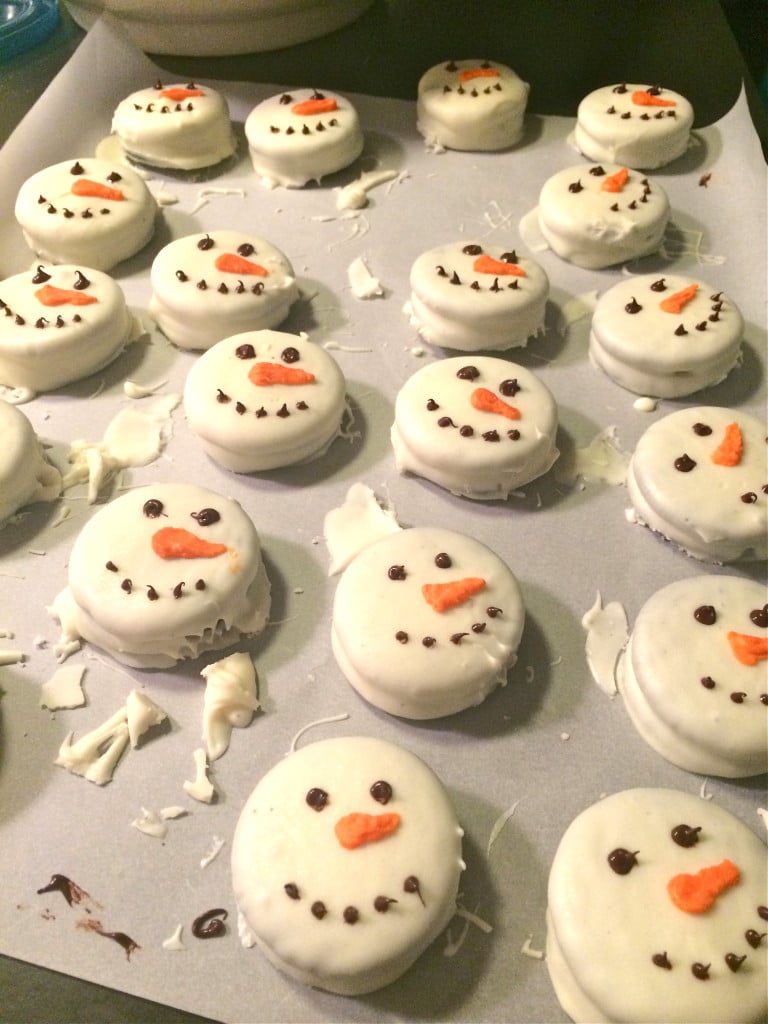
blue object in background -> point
(25, 23)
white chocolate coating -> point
(196, 303)
(410, 657)
(150, 604)
(605, 928)
(716, 513)
(246, 420)
(592, 227)
(26, 475)
(690, 693)
(477, 297)
(471, 105)
(665, 353)
(291, 148)
(89, 230)
(64, 322)
(182, 126)
(638, 126)
(293, 880)
(483, 454)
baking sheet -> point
(549, 743)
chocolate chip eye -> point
(472, 250)
(290, 355)
(381, 792)
(317, 798)
(396, 572)
(702, 429)
(153, 508)
(509, 388)
(206, 517)
(509, 257)
(245, 352)
(468, 373)
(706, 615)
(686, 835)
(205, 243)
(246, 249)
(759, 616)
(443, 560)
(622, 861)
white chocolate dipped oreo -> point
(426, 622)
(471, 105)
(693, 676)
(471, 297)
(88, 212)
(481, 429)
(346, 863)
(302, 136)
(178, 126)
(26, 476)
(265, 399)
(206, 287)
(665, 336)
(657, 910)
(162, 573)
(639, 126)
(601, 215)
(61, 323)
(699, 477)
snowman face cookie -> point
(699, 477)
(635, 125)
(481, 429)
(426, 622)
(470, 297)
(265, 399)
(665, 336)
(657, 912)
(471, 105)
(207, 287)
(346, 862)
(87, 212)
(602, 215)
(163, 572)
(185, 126)
(694, 675)
(58, 324)
(302, 136)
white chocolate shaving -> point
(201, 788)
(362, 282)
(143, 714)
(607, 636)
(174, 942)
(499, 824)
(96, 754)
(151, 824)
(230, 700)
(216, 847)
(64, 689)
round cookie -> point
(426, 622)
(346, 862)
(602, 215)
(164, 572)
(26, 476)
(468, 296)
(665, 336)
(61, 323)
(181, 126)
(636, 125)
(479, 429)
(265, 399)
(471, 105)
(207, 287)
(693, 675)
(657, 912)
(302, 136)
(698, 477)
(88, 212)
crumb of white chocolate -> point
(607, 636)
(528, 950)
(217, 845)
(64, 689)
(151, 824)
(167, 813)
(362, 282)
(96, 754)
(143, 714)
(200, 788)
(9, 657)
(174, 942)
(356, 524)
(230, 700)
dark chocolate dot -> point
(733, 961)
(152, 594)
(700, 971)
(684, 464)
(110, 565)
(381, 791)
(510, 257)
(510, 387)
(686, 835)
(245, 249)
(622, 861)
(246, 351)
(396, 572)
(633, 306)
(40, 276)
(292, 890)
(468, 373)
(319, 909)
(432, 405)
(290, 355)
(153, 508)
(381, 903)
(428, 641)
(659, 286)
(401, 636)
(753, 938)
(351, 915)
(178, 590)
(478, 627)
(206, 516)
(443, 560)
(680, 331)
(759, 616)
(708, 682)
(467, 431)
(575, 187)
(491, 435)
(749, 497)
(662, 960)
(445, 421)
(702, 429)
(472, 250)
(597, 171)
(738, 697)
(317, 798)
(127, 586)
(456, 638)
(206, 243)
(81, 281)
(706, 615)
(492, 612)
(181, 276)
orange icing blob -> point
(175, 542)
(265, 374)
(615, 182)
(444, 596)
(320, 106)
(646, 99)
(50, 295)
(695, 894)
(748, 649)
(730, 449)
(231, 263)
(357, 829)
(485, 401)
(674, 303)
(488, 265)
(95, 190)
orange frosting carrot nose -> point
(231, 263)
(615, 182)
(488, 265)
(175, 542)
(485, 401)
(748, 649)
(647, 99)
(355, 829)
(95, 190)
(444, 596)
(50, 295)
(729, 451)
(469, 73)
(674, 303)
(326, 105)
(264, 374)
(179, 93)
(695, 894)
